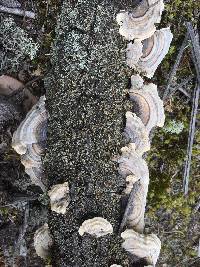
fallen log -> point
(86, 100)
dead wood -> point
(194, 37)
(17, 11)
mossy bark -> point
(87, 101)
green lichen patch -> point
(15, 44)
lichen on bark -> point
(87, 101)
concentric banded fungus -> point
(147, 247)
(59, 197)
(131, 163)
(148, 105)
(97, 226)
(115, 265)
(136, 207)
(136, 132)
(139, 24)
(43, 241)
(154, 50)
(29, 141)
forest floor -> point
(171, 215)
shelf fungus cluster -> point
(145, 51)
(29, 141)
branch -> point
(179, 87)
(196, 59)
(195, 48)
(17, 11)
(191, 139)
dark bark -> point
(87, 101)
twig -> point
(17, 11)
(179, 87)
(184, 92)
(175, 67)
(196, 208)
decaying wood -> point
(20, 246)
(19, 202)
(87, 107)
(17, 11)
(9, 113)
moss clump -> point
(168, 208)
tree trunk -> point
(87, 101)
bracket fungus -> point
(97, 226)
(137, 133)
(43, 241)
(29, 141)
(131, 163)
(140, 23)
(143, 246)
(136, 206)
(115, 265)
(154, 49)
(147, 103)
(59, 197)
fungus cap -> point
(97, 226)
